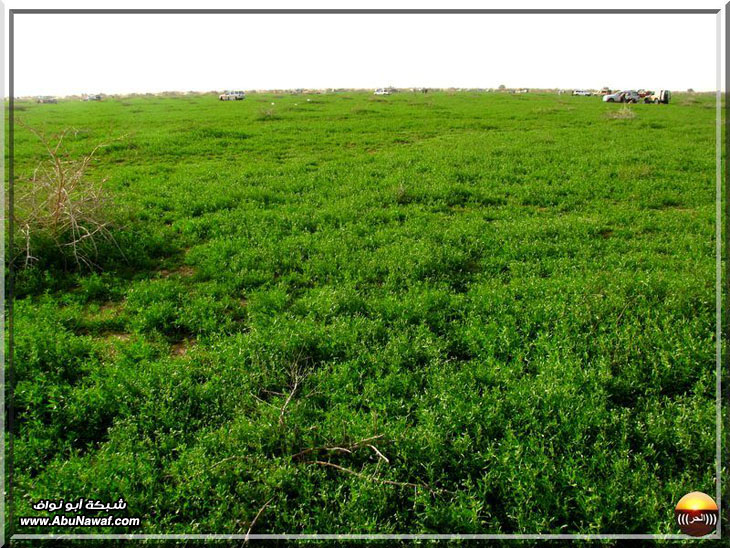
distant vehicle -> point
(582, 92)
(46, 99)
(232, 96)
(381, 91)
(626, 96)
(96, 97)
(663, 96)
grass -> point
(445, 313)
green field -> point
(443, 312)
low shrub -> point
(60, 212)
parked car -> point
(663, 96)
(582, 92)
(232, 96)
(96, 97)
(46, 99)
(381, 91)
(626, 96)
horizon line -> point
(305, 91)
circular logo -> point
(696, 514)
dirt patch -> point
(114, 341)
(118, 336)
(185, 271)
(106, 312)
(181, 348)
(182, 272)
(110, 307)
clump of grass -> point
(267, 114)
(632, 172)
(59, 205)
(624, 113)
(548, 110)
(402, 196)
(360, 110)
(689, 101)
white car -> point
(382, 91)
(582, 92)
(627, 96)
(232, 96)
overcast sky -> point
(73, 54)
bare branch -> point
(288, 399)
(378, 453)
(255, 519)
(370, 478)
(60, 203)
(346, 449)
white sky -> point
(74, 54)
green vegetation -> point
(417, 313)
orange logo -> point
(696, 514)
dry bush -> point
(266, 114)
(59, 204)
(624, 113)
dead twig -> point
(349, 449)
(253, 522)
(346, 449)
(211, 467)
(288, 399)
(370, 478)
(626, 306)
(378, 452)
(223, 461)
(263, 401)
(297, 375)
(274, 392)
